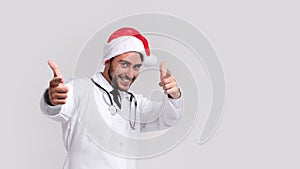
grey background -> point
(257, 42)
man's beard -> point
(109, 72)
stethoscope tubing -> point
(113, 109)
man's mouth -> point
(125, 79)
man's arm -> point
(57, 101)
(161, 115)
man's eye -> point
(124, 64)
(137, 67)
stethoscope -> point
(112, 108)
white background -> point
(258, 45)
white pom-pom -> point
(150, 60)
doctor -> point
(107, 93)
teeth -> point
(125, 80)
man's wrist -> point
(175, 97)
(47, 99)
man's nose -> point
(130, 73)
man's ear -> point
(107, 63)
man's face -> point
(124, 69)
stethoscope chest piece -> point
(113, 110)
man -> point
(85, 107)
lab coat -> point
(93, 137)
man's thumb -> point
(54, 68)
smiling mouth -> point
(125, 79)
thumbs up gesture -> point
(168, 82)
(57, 90)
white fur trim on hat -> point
(125, 44)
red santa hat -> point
(128, 39)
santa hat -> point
(128, 40)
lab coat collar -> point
(100, 80)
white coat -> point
(80, 127)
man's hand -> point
(57, 90)
(168, 82)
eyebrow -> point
(125, 61)
(129, 63)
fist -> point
(57, 90)
(168, 82)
